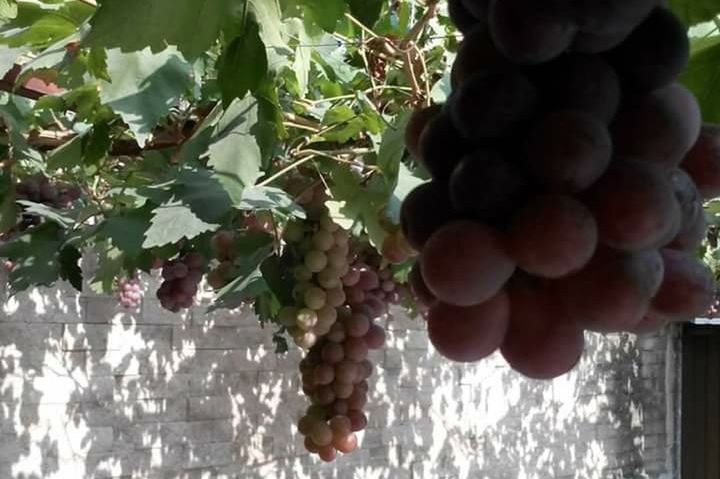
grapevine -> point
(516, 172)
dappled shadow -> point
(90, 390)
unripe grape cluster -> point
(322, 249)
(568, 172)
(333, 318)
(181, 279)
(128, 292)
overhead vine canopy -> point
(261, 145)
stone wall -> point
(88, 390)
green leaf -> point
(203, 193)
(702, 77)
(692, 12)
(325, 13)
(268, 16)
(35, 254)
(126, 230)
(392, 149)
(258, 198)
(67, 155)
(8, 9)
(144, 87)
(110, 264)
(367, 11)
(234, 152)
(131, 25)
(172, 222)
(243, 65)
(346, 124)
(8, 207)
(58, 216)
(252, 249)
(70, 270)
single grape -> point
(477, 54)
(552, 236)
(468, 334)
(634, 205)
(486, 186)
(466, 263)
(346, 443)
(654, 54)
(569, 150)
(490, 105)
(416, 125)
(582, 83)
(528, 34)
(418, 287)
(323, 240)
(541, 342)
(425, 210)
(357, 325)
(703, 162)
(613, 292)
(321, 434)
(315, 298)
(342, 390)
(687, 290)
(358, 420)
(327, 453)
(442, 146)
(356, 349)
(316, 261)
(306, 319)
(660, 127)
(332, 352)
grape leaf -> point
(35, 254)
(234, 152)
(203, 193)
(70, 271)
(367, 11)
(110, 263)
(58, 216)
(268, 16)
(132, 25)
(172, 222)
(692, 12)
(252, 250)
(144, 87)
(8, 9)
(326, 13)
(258, 198)
(243, 65)
(8, 207)
(126, 230)
(702, 77)
(392, 149)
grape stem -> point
(308, 155)
(418, 28)
(361, 25)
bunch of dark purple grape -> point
(39, 189)
(568, 172)
(181, 279)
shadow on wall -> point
(88, 390)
